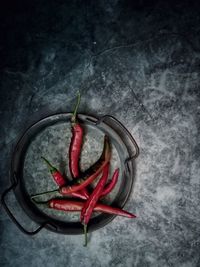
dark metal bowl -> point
(121, 140)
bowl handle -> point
(12, 217)
(119, 127)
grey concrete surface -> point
(138, 61)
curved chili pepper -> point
(92, 200)
(72, 194)
(78, 194)
(75, 149)
(74, 205)
(76, 143)
(92, 173)
(96, 193)
(57, 176)
(77, 187)
(75, 146)
(109, 187)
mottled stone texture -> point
(138, 61)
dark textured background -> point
(138, 61)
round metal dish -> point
(125, 151)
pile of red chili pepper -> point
(83, 200)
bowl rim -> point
(113, 128)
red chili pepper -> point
(77, 194)
(74, 205)
(75, 147)
(109, 187)
(77, 187)
(58, 178)
(76, 143)
(92, 200)
(92, 173)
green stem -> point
(73, 119)
(44, 193)
(85, 234)
(51, 167)
(40, 202)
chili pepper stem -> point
(85, 234)
(73, 119)
(40, 202)
(44, 193)
(51, 167)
